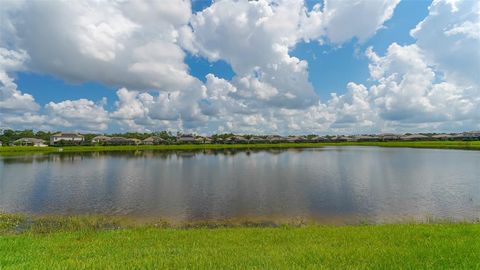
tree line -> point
(8, 136)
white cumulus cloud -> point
(119, 43)
(81, 114)
(139, 47)
(344, 20)
(450, 39)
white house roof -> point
(101, 138)
(30, 140)
(153, 138)
(365, 137)
(388, 134)
(414, 136)
(68, 135)
(442, 136)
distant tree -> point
(88, 137)
(166, 135)
(134, 135)
(7, 136)
(223, 135)
(27, 133)
(43, 135)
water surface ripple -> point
(331, 184)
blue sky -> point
(225, 68)
(331, 67)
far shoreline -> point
(24, 150)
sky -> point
(253, 67)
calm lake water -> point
(332, 184)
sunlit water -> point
(332, 184)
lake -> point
(327, 185)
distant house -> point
(154, 140)
(366, 138)
(199, 139)
(118, 141)
(318, 139)
(149, 141)
(472, 135)
(135, 141)
(276, 139)
(257, 139)
(389, 137)
(218, 140)
(30, 142)
(122, 141)
(204, 140)
(342, 139)
(237, 139)
(459, 137)
(296, 139)
(414, 137)
(73, 138)
(443, 137)
(100, 139)
(186, 138)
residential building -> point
(366, 138)
(218, 140)
(257, 139)
(276, 139)
(122, 141)
(135, 141)
(342, 139)
(414, 137)
(154, 140)
(472, 135)
(73, 138)
(443, 137)
(203, 140)
(459, 137)
(237, 139)
(100, 139)
(186, 138)
(389, 136)
(318, 139)
(294, 139)
(30, 142)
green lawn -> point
(468, 145)
(86, 243)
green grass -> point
(100, 243)
(13, 150)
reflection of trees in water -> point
(24, 159)
(211, 184)
(40, 158)
(162, 154)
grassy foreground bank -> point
(12, 150)
(96, 243)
